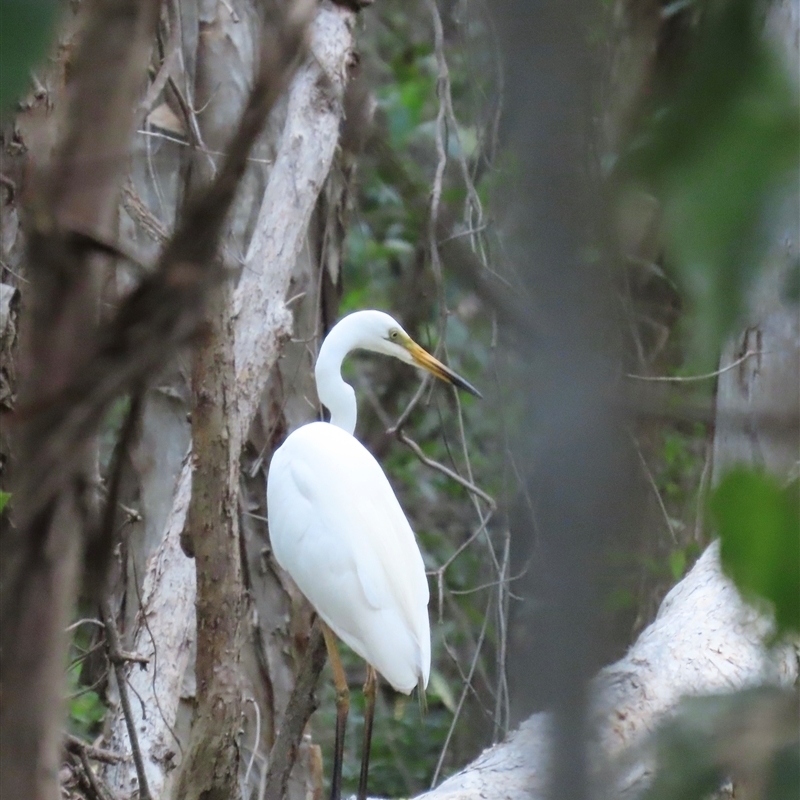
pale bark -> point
(165, 625)
(704, 640)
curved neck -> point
(336, 395)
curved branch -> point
(705, 639)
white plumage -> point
(338, 530)
(335, 524)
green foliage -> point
(710, 739)
(4, 498)
(759, 527)
(722, 141)
(26, 27)
(85, 707)
(86, 710)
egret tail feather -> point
(423, 699)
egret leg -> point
(342, 708)
(370, 690)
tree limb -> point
(167, 618)
(704, 640)
(301, 706)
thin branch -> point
(470, 487)
(690, 378)
(442, 83)
(98, 786)
(75, 745)
(117, 660)
(205, 150)
(464, 691)
(256, 741)
(100, 547)
(652, 481)
(301, 706)
(403, 418)
(87, 621)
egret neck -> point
(336, 395)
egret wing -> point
(337, 528)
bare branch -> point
(691, 378)
(75, 745)
(469, 486)
(117, 661)
(302, 705)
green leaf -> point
(716, 150)
(710, 738)
(26, 27)
(677, 564)
(4, 498)
(758, 521)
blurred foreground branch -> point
(72, 208)
(260, 322)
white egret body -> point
(336, 526)
(338, 530)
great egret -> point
(336, 527)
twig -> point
(442, 83)
(192, 126)
(690, 378)
(95, 784)
(117, 660)
(256, 741)
(99, 548)
(471, 487)
(206, 151)
(652, 481)
(75, 745)
(702, 490)
(465, 690)
(301, 705)
(78, 623)
(403, 418)
(140, 213)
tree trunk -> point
(75, 196)
(260, 323)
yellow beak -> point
(422, 358)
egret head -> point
(383, 334)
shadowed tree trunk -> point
(74, 198)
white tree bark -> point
(165, 624)
(705, 639)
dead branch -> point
(705, 640)
(302, 704)
(75, 745)
(118, 660)
(445, 470)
